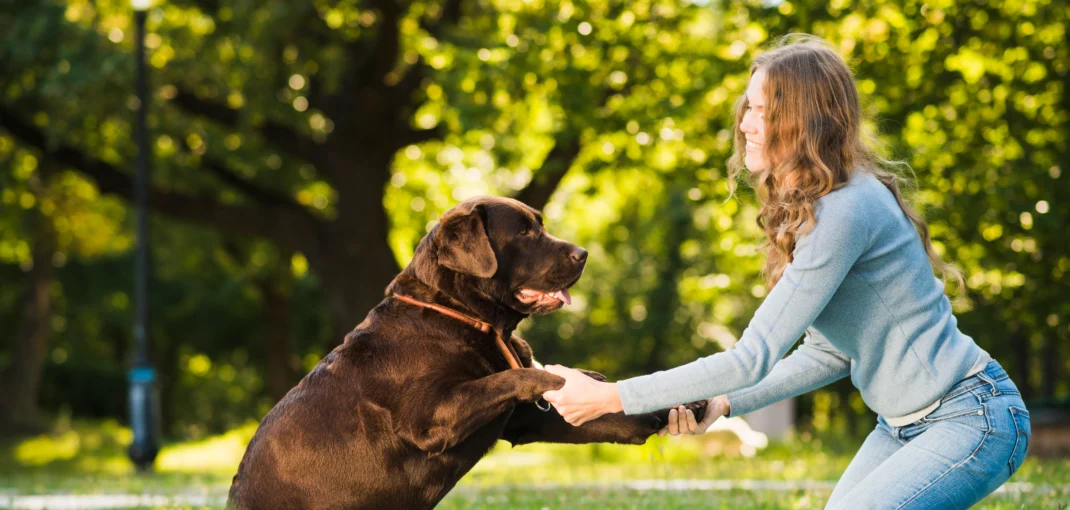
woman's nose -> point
(747, 125)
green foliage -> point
(972, 95)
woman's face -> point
(753, 123)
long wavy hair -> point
(814, 141)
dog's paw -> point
(653, 422)
(539, 382)
(698, 407)
(593, 375)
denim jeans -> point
(952, 458)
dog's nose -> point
(579, 255)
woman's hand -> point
(682, 420)
(582, 399)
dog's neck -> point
(447, 290)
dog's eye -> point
(524, 231)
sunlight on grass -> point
(44, 449)
(215, 454)
(97, 448)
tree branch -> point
(261, 195)
(209, 7)
(217, 112)
(408, 83)
(248, 188)
(277, 224)
(318, 97)
(557, 163)
(278, 134)
(450, 15)
(412, 136)
(560, 159)
(387, 45)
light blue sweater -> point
(862, 287)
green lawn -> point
(89, 458)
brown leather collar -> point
(507, 350)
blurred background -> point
(300, 150)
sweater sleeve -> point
(814, 364)
(821, 260)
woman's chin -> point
(754, 164)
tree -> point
(282, 122)
(328, 136)
(18, 409)
(364, 118)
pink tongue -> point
(563, 295)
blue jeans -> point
(952, 458)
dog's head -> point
(499, 248)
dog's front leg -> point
(462, 409)
(529, 425)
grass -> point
(89, 458)
(601, 499)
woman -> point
(850, 264)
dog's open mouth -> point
(538, 297)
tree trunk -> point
(278, 328)
(22, 379)
(354, 261)
(354, 285)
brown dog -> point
(396, 415)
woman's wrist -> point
(613, 401)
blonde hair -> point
(813, 143)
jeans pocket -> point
(1023, 431)
(949, 414)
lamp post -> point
(143, 394)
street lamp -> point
(143, 394)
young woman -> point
(852, 265)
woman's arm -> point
(822, 259)
(816, 363)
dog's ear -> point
(462, 242)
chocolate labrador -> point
(419, 391)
